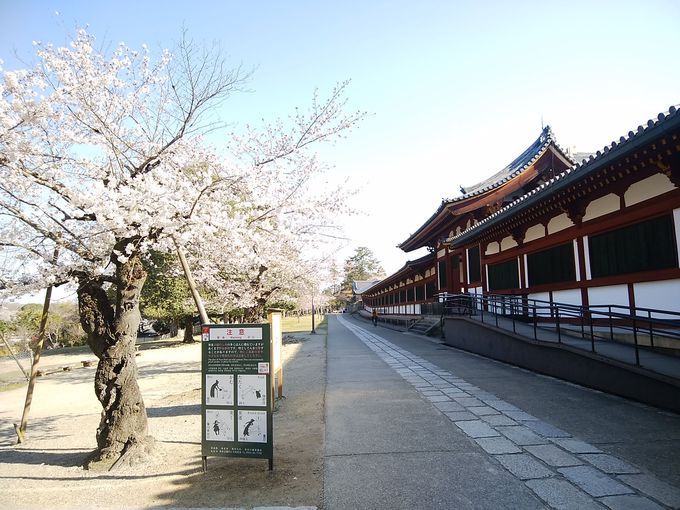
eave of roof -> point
(409, 265)
(665, 122)
(530, 156)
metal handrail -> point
(567, 321)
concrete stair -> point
(424, 326)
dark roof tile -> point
(582, 167)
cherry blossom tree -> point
(268, 270)
(103, 157)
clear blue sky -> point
(457, 88)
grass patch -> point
(11, 385)
(304, 324)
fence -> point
(599, 326)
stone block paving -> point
(563, 471)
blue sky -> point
(456, 89)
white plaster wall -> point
(507, 243)
(664, 295)
(486, 271)
(541, 296)
(576, 262)
(417, 309)
(559, 223)
(526, 270)
(568, 296)
(601, 206)
(492, 248)
(610, 295)
(586, 254)
(676, 221)
(534, 232)
(519, 271)
(647, 188)
(467, 266)
(441, 253)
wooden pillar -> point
(274, 317)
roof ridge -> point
(546, 137)
(576, 167)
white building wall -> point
(492, 248)
(603, 205)
(558, 223)
(610, 295)
(645, 189)
(534, 232)
(507, 243)
(568, 296)
(541, 296)
(663, 295)
(586, 254)
(676, 221)
(577, 262)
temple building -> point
(603, 230)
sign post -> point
(236, 396)
(274, 317)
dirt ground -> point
(46, 471)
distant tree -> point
(62, 328)
(361, 266)
(165, 296)
(6, 328)
(265, 272)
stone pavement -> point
(411, 423)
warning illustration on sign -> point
(252, 426)
(252, 390)
(219, 425)
(219, 390)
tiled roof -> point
(522, 162)
(516, 167)
(426, 259)
(361, 286)
(580, 169)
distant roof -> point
(654, 128)
(359, 286)
(527, 158)
(410, 265)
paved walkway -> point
(411, 423)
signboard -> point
(236, 391)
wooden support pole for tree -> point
(11, 351)
(192, 284)
(21, 429)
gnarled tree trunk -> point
(122, 435)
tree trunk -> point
(189, 330)
(111, 334)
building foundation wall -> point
(563, 362)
